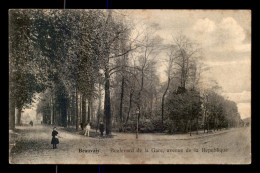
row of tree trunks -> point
(83, 111)
(67, 113)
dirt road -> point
(34, 147)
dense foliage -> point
(92, 66)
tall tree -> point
(149, 50)
(23, 82)
(110, 34)
(169, 73)
(185, 52)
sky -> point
(225, 39)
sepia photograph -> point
(110, 86)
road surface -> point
(34, 147)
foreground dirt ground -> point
(226, 146)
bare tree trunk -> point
(99, 106)
(137, 124)
(68, 113)
(163, 99)
(139, 96)
(91, 110)
(58, 117)
(208, 125)
(77, 116)
(89, 103)
(84, 111)
(205, 123)
(11, 106)
(186, 126)
(205, 120)
(64, 116)
(121, 103)
(130, 106)
(54, 113)
(73, 110)
(19, 114)
(197, 125)
(190, 126)
(151, 105)
(107, 106)
(214, 123)
(80, 108)
(51, 109)
(182, 71)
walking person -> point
(101, 128)
(87, 129)
(54, 140)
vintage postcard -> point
(129, 86)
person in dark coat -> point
(54, 140)
(101, 128)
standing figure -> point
(101, 128)
(54, 140)
(87, 129)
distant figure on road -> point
(101, 128)
(54, 140)
(87, 129)
(31, 123)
